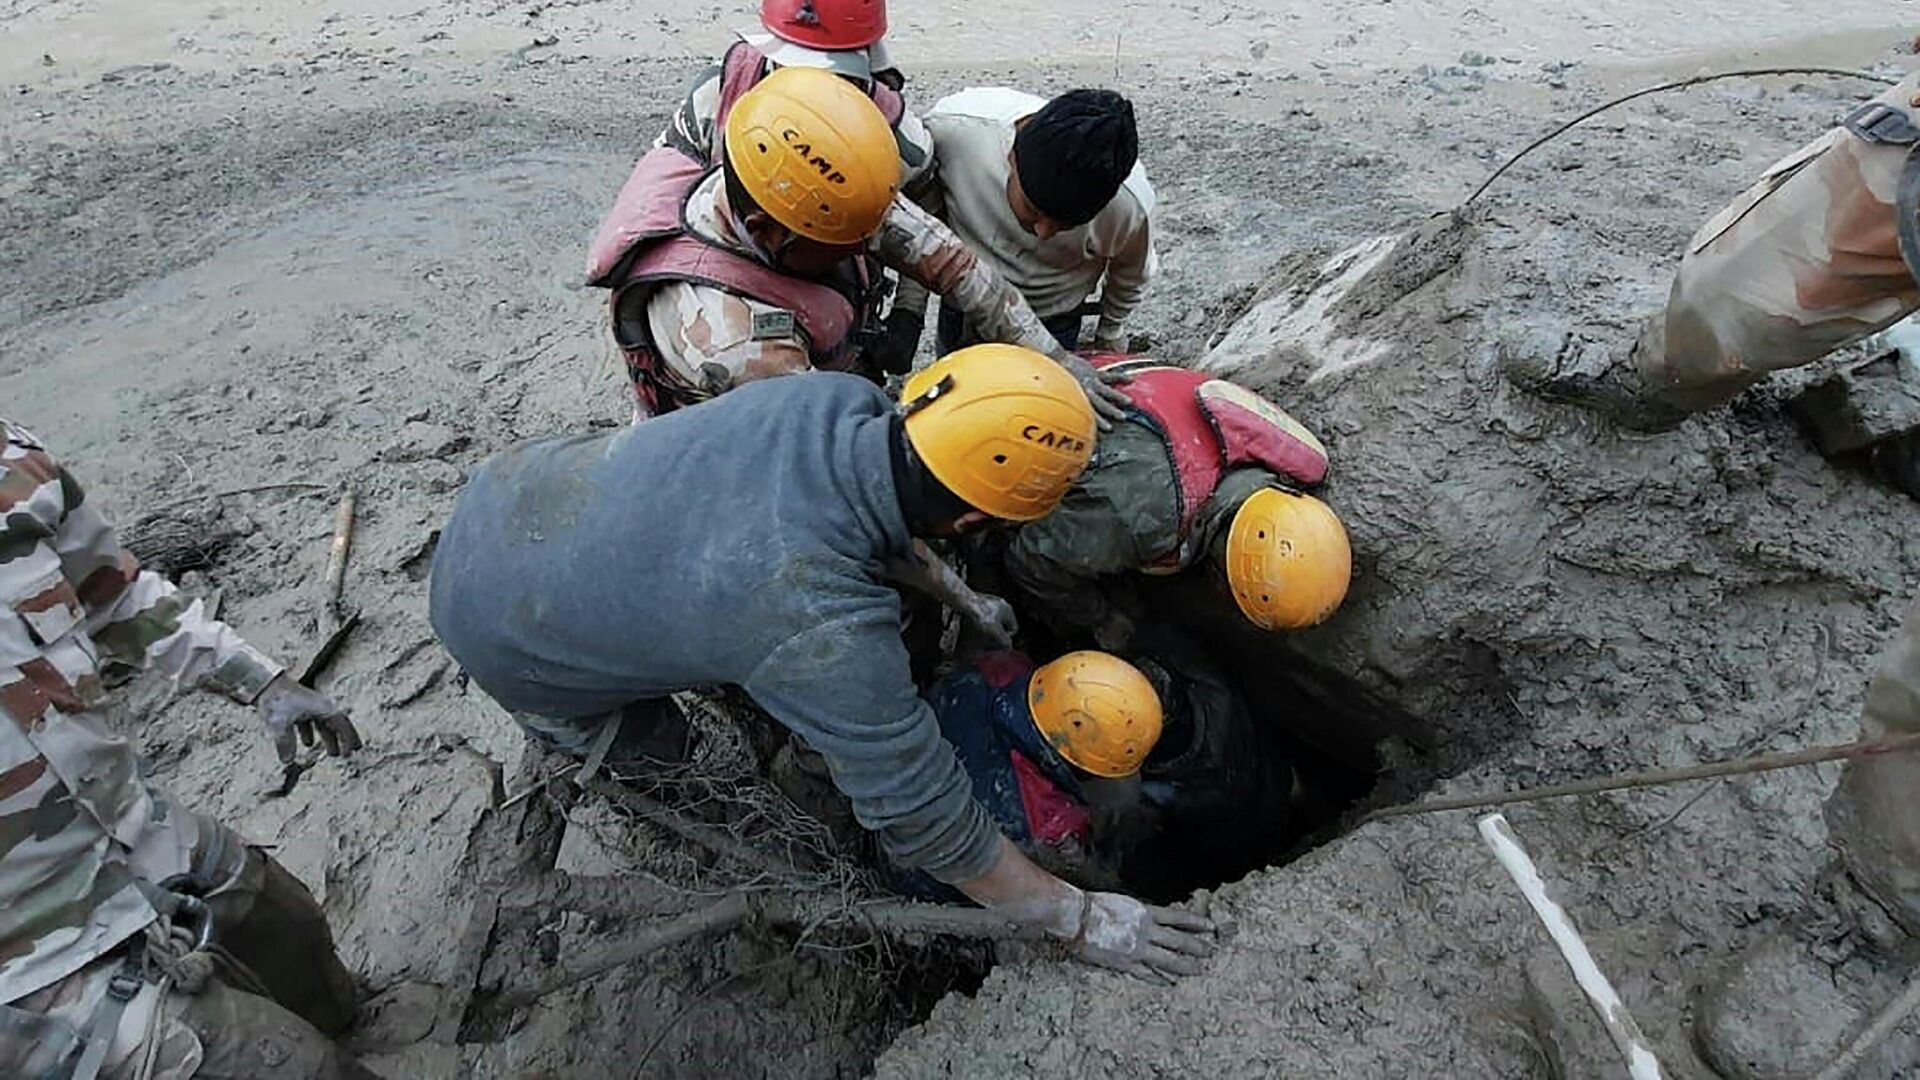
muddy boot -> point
(1897, 462)
(801, 775)
(1563, 369)
(653, 735)
(1787, 1006)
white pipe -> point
(1641, 1064)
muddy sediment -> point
(349, 271)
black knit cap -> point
(1074, 154)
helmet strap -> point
(927, 397)
(925, 503)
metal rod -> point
(1790, 759)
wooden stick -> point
(722, 915)
(1627, 1036)
(337, 558)
(297, 485)
(1791, 759)
(1884, 1024)
(729, 912)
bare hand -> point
(1110, 403)
(1152, 943)
(994, 618)
(296, 715)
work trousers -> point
(1874, 815)
(1803, 262)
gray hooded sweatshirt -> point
(737, 542)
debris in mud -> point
(179, 540)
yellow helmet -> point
(1004, 428)
(816, 154)
(1288, 560)
(1098, 711)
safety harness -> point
(1209, 426)
(646, 242)
(1880, 123)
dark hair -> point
(1074, 154)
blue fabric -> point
(736, 542)
(986, 727)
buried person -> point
(582, 580)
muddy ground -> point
(256, 244)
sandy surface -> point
(253, 243)
(87, 37)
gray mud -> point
(351, 267)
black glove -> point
(893, 351)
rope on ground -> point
(1792, 759)
(1842, 73)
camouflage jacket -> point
(1120, 517)
(73, 805)
(929, 257)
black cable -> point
(1681, 85)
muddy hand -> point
(1152, 943)
(1110, 403)
(1115, 633)
(293, 714)
(994, 618)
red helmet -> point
(833, 25)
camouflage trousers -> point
(1803, 262)
(297, 992)
(1874, 815)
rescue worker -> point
(769, 262)
(113, 897)
(1151, 773)
(1821, 251)
(1786, 1006)
(845, 37)
(1052, 195)
(582, 580)
(1042, 746)
(1202, 481)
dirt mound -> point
(1537, 598)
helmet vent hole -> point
(763, 147)
(999, 459)
(825, 209)
(1263, 534)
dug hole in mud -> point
(1537, 597)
